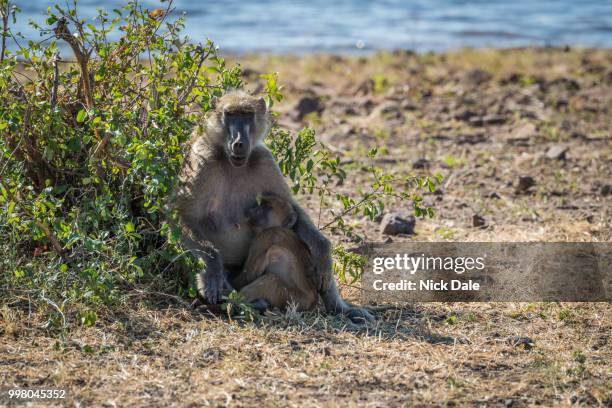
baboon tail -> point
(334, 304)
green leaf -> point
(81, 116)
(89, 318)
(11, 206)
(431, 186)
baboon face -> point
(240, 122)
(238, 127)
(272, 212)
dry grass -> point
(496, 354)
(429, 354)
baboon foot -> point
(261, 305)
(359, 315)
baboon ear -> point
(261, 105)
(290, 220)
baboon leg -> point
(283, 281)
(284, 264)
(253, 268)
(267, 287)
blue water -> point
(353, 26)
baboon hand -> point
(214, 283)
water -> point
(353, 26)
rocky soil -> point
(523, 138)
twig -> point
(168, 295)
(51, 237)
(5, 15)
(82, 57)
(52, 303)
(348, 210)
(187, 90)
(378, 160)
(56, 58)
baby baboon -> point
(278, 266)
(225, 170)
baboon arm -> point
(319, 247)
(254, 266)
(211, 280)
(322, 276)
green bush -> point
(91, 147)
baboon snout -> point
(238, 143)
(239, 148)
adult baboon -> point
(225, 170)
(278, 266)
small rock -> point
(478, 221)
(523, 134)
(421, 163)
(487, 120)
(578, 135)
(606, 190)
(567, 84)
(521, 341)
(394, 224)
(561, 102)
(250, 73)
(387, 109)
(477, 77)
(525, 183)
(408, 105)
(295, 346)
(494, 195)
(557, 152)
(308, 104)
(466, 115)
(365, 88)
(366, 103)
(472, 139)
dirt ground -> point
(483, 119)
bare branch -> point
(5, 16)
(187, 90)
(56, 59)
(82, 57)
